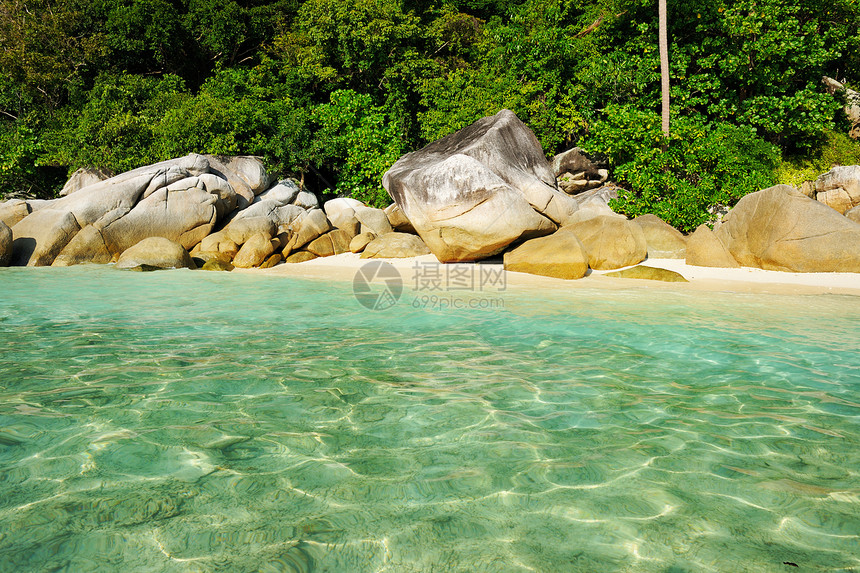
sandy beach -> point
(343, 267)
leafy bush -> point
(359, 142)
(702, 165)
(835, 149)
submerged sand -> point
(344, 267)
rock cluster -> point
(224, 211)
(482, 191)
(839, 188)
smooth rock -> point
(664, 241)
(5, 244)
(254, 252)
(783, 230)
(300, 257)
(359, 242)
(575, 161)
(334, 207)
(397, 219)
(560, 255)
(169, 198)
(649, 273)
(200, 258)
(595, 206)
(839, 188)
(611, 242)
(246, 175)
(305, 229)
(39, 237)
(88, 246)
(373, 220)
(332, 243)
(273, 260)
(84, 177)
(182, 215)
(217, 265)
(155, 253)
(853, 214)
(474, 192)
(306, 200)
(283, 192)
(395, 246)
(704, 249)
(13, 210)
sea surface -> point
(191, 421)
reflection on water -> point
(197, 422)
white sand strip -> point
(344, 267)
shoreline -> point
(343, 267)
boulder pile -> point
(483, 191)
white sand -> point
(344, 267)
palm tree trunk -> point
(664, 64)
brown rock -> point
(272, 261)
(13, 211)
(704, 249)
(5, 244)
(254, 252)
(41, 236)
(84, 177)
(332, 243)
(611, 242)
(155, 253)
(649, 273)
(853, 214)
(217, 265)
(88, 246)
(663, 240)
(359, 242)
(781, 229)
(560, 255)
(397, 219)
(839, 188)
(300, 257)
(395, 246)
(306, 228)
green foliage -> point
(359, 142)
(335, 90)
(835, 149)
(117, 127)
(679, 180)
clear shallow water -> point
(181, 421)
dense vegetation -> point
(333, 91)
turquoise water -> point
(182, 421)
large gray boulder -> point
(839, 188)
(5, 244)
(177, 199)
(474, 192)
(783, 230)
(155, 253)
